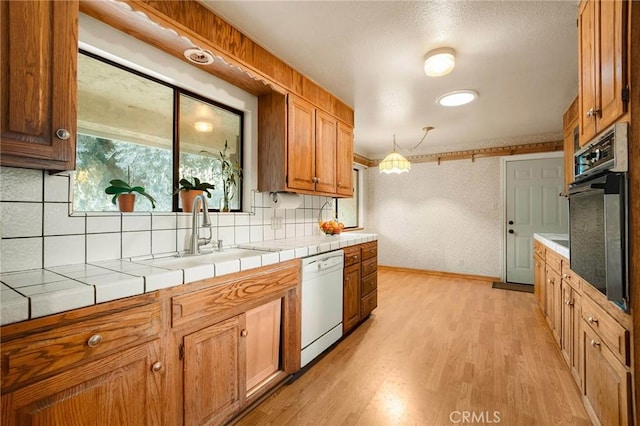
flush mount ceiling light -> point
(203, 126)
(395, 162)
(198, 56)
(439, 62)
(457, 98)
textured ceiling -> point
(520, 56)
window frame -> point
(175, 145)
(359, 202)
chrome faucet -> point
(196, 241)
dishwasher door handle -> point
(324, 264)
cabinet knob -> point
(157, 366)
(63, 134)
(244, 333)
(592, 320)
(595, 344)
(566, 276)
(94, 340)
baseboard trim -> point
(439, 273)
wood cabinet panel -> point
(121, 389)
(570, 134)
(351, 255)
(301, 152)
(539, 285)
(606, 381)
(326, 152)
(369, 303)
(369, 250)
(351, 297)
(369, 266)
(553, 294)
(609, 330)
(214, 376)
(344, 160)
(39, 354)
(263, 342)
(369, 283)
(570, 336)
(587, 68)
(39, 41)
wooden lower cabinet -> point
(122, 389)
(553, 294)
(606, 381)
(360, 283)
(539, 285)
(351, 297)
(263, 343)
(214, 374)
(570, 336)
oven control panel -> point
(607, 153)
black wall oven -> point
(598, 215)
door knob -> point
(511, 231)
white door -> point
(533, 205)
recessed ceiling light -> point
(439, 62)
(457, 98)
(203, 126)
(198, 56)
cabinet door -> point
(301, 153)
(38, 86)
(214, 372)
(122, 389)
(263, 343)
(538, 282)
(344, 161)
(611, 43)
(606, 381)
(326, 144)
(576, 360)
(351, 297)
(587, 69)
(566, 322)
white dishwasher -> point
(321, 303)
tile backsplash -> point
(39, 228)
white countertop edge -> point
(286, 249)
(548, 240)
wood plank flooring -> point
(434, 349)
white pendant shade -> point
(394, 163)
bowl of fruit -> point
(331, 227)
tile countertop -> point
(555, 242)
(40, 292)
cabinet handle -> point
(355, 257)
(566, 276)
(595, 344)
(157, 366)
(244, 333)
(63, 134)
(94, 340)
(568, 302)
(592, 320)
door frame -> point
(503, 197)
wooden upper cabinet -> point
(569, 135)
(602, 30)
(301, 152)
(344, 166)
(326, 144)
(302, 148)
(38, 89)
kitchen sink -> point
(185, 261)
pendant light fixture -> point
(395, 162)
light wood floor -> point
(434, 348)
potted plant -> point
(230, 174)
(188, 191)
(123, 192)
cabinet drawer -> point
(539, 249)
(369, 303)
(369, 250)
(369, 266)
(38, 354)
(351, 255)
(571, 277)
(614, 335)
(369, 283)
(554, 260)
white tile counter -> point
(556, 242)
(40, 292)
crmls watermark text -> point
(474, 417)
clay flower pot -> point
(126, 202)
(187, 199)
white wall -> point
(438, 217)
